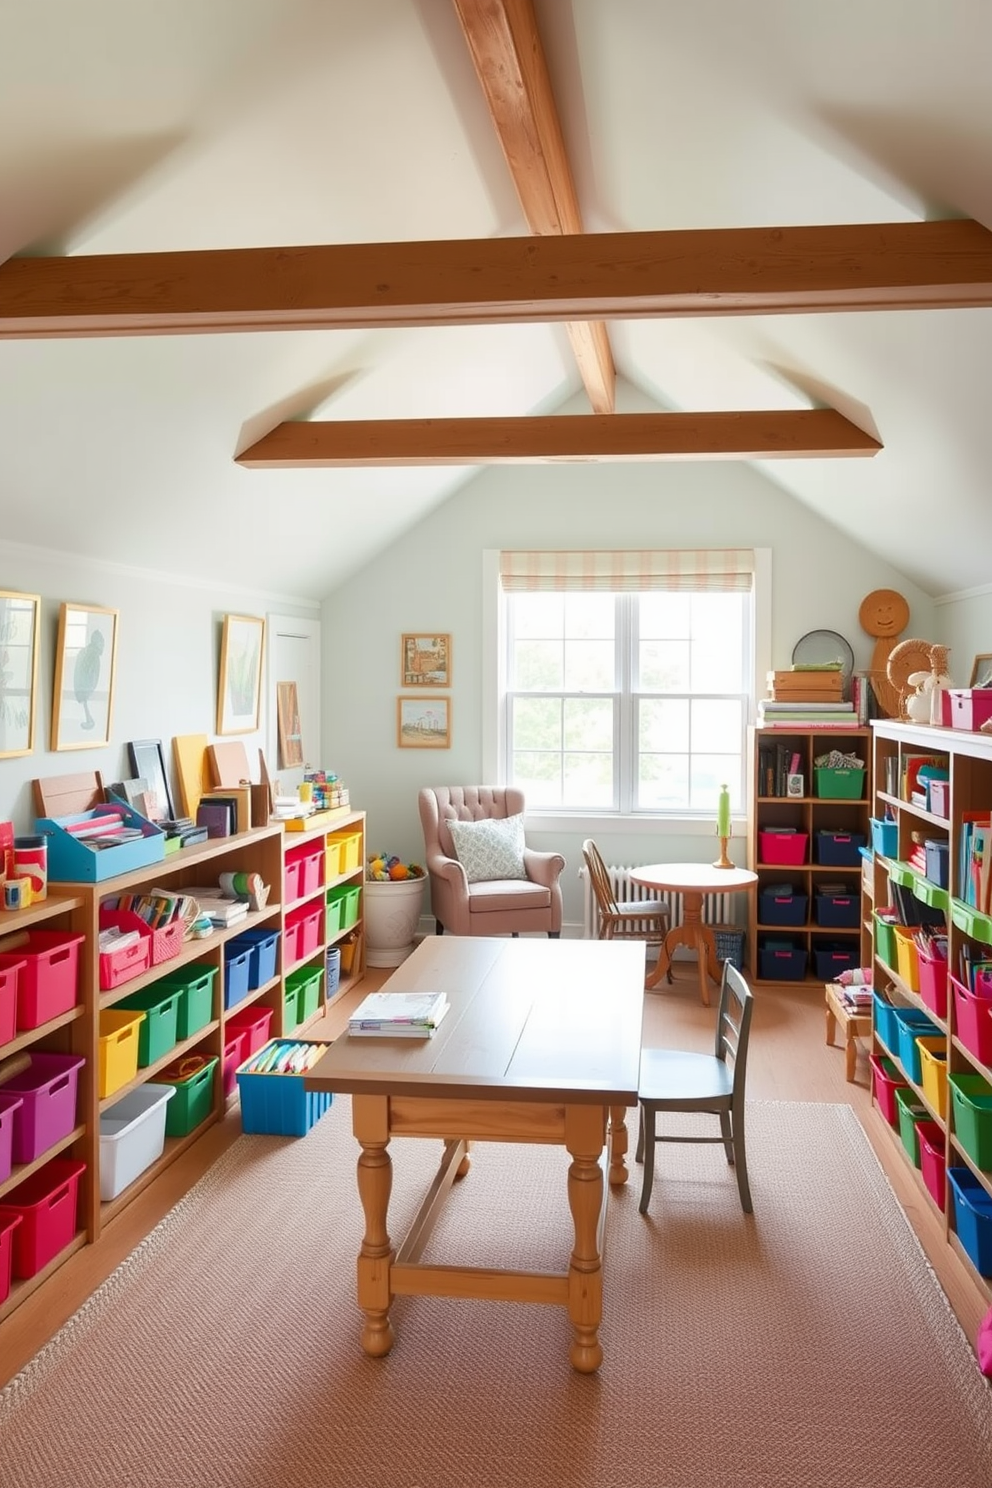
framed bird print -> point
(85, 666)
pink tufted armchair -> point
(494, 906)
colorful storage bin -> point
(195, 985)
(193, 1102)
(885, 939)
(344, 852)
(303, 933)
(839, 849)
(933, 1073)
(933, 1160)
(910, 1109)
(46, 1204)
(303, 869)
(933, 981)
(9, 1104)
(885, 1021)
(234, 1053)
(907, 964)
(302, 995)
(832, 957)
(48, 1091)
(118, 1048)
(781, 960)
(781, 905)
(783, 847)
(886, 1079)
(973, 1021)
(48, 982)
(912, 1023)
(884, 837)
(972, 1217)
(132, 1136)
(342, 907)
(237, 963)
(254, 1023)
(158, 1034)
(971, 1100)
(278, 1104)
(839, 783)
(262, 962)
(8, 1224)
(838, 911)
(10, 970)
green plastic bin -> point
(840, 784)
(157, 1033)
(194, 1097)
(195, 985)
(910, 1110)
(971, 1100)
(303, 987)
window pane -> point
(590, 666)
(717, 643)
(538, 666)
(663, 782)
(665, 616)
(589, 723)
(589, 781)
(663, 666)
(716, 725)
(590, 616)
(539, 777)
(709, 773)
(537, 723)
(664, 724)
(538, 615)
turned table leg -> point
(584, 1137)
(375, 1182)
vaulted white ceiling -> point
(128, 126)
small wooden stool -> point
(855, 1025)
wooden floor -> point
(788, 1060)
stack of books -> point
(773, 713)
(398, 1015)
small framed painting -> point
(290, 736)
(18, 671)
(981, 671)
(240, 687)
(85, 666)
(423, 723)
(426, 661)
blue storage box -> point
(237, 964)
(831, 957)
(885, 1022)
(839, 849)
(838, 911)
(937, 861)
(884, 837)
(972, 1217)
(911, 1024)
(262, 961)
(279, 1104)
(781, 960)
(71, 861)
(778, 905)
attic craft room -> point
(495, 744)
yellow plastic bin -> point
(907, 959)
(933, 1072)
(118, 1048)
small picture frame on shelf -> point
(795, 785)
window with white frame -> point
(626, 678)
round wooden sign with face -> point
(884, 612)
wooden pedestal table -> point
(693, 881)
(541, 1044)
(855, 1025)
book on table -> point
(399, 1014)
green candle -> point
(723, 813)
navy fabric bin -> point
(831, 957)
(777, 908)
(839, 849)
(781, 961)
(838, 911)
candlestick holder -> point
(723, 861)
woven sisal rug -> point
(808, 1346)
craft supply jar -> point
(31, 862)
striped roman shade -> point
(726, 569)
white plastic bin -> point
(132, 1136)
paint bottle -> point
(31, 862)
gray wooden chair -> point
(676, 1080)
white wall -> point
(168, 656)
(964, 622)
(431, 581)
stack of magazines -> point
(398, 1015)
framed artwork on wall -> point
(426, 661)
(18, 671)
(423, 723)
(290, 736)
(85, 668)
(240, 686)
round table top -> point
(702, 878)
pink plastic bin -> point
(8, 1224)
(48, 1090)
(234, 1053)
(8, 1109)
(886, 1080)
(933, 982)
(46, 1203)
(253, 1023)
(49, 980)
(932, 1159)
(10, 974)
(973, 1021)
(783, 847)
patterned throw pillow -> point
(490, 849)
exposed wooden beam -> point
(719, 271)
(505, 46)
(793, 434)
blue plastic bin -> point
(237, 963)
(884, 837)
(885, 1022)
(972, 1217)
(278, 1105)
(262, 963)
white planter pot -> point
(392, 913)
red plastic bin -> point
(783, 847)
(234, 1053)
(304, 869)
(886, 1079)
(254, 1023)
(49, 979)
(10, 973)
(933, 982)
(9, 1105)
(46, 1203)
(932, 1159)
(8, 1224)
(973, 1021)
(48, 1090)
(307, 923)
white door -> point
(293, 655)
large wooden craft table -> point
(541, 1044)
